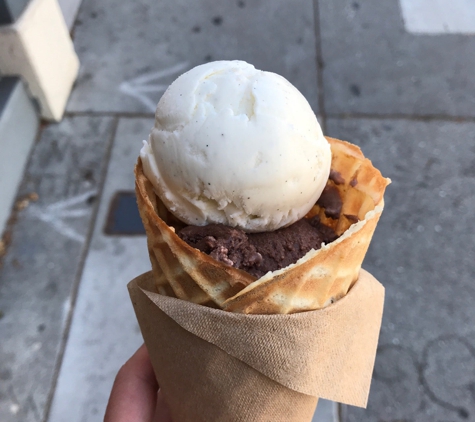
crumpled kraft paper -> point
(214, 365)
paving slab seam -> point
(121, 114)
(324, 116)
(78, 276)
(322, 112)
(319, 54)
(415, 118)
(340, 409)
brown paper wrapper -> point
(214, 365)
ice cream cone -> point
(316, 280)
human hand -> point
(135, 396)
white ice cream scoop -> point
(238, 146)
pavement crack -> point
(30, 402)
(445, 342)
(320, 66)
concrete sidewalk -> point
(405, 96)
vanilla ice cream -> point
(238, 146)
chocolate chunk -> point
(354, 182)
(221, 254)
(258, 253)
(352, 218)
(327, 233)
(336, 177)
(225, 244)
(330, 201)
(210, 239)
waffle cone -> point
(316, 280)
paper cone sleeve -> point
(316, 280)
(214, 365)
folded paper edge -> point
(343, 398)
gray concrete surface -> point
(11, 10)
(38, 276)
(406, 99)
(104, 331)
(70, 9)
(423, 253)
(373, 66)
(130, 56)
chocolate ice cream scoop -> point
(258, 253)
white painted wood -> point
(38, 47)
(439, 16)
